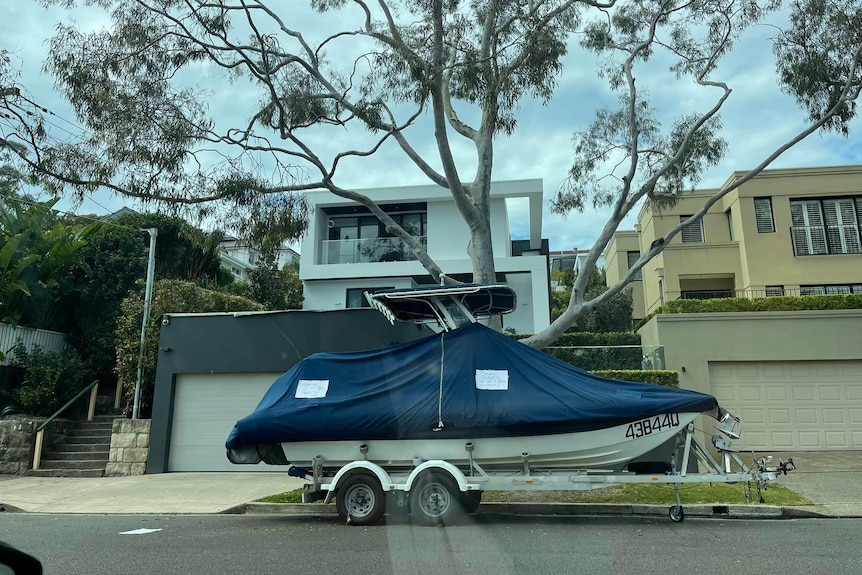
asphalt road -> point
(88, 544)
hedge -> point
(169, 296)
(596, 358)
(668, 378)
(591, 359)
(777, 303)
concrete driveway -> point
(832, 478)
(160, 493)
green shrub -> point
(668, 378)
(169, 296)
(778, 303)
(591, 358)
(50, 379)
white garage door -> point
(799, 405)
(206, 407)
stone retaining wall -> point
(18, 436)
(130, 445)
(16, 444)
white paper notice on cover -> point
(311, 388)
(493, 379)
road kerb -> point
(564, 509)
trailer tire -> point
(470, 501)
(435, 499)
(360, 500)
(676, 514)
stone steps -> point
(84, 452)
(66, 473)
(90, 455)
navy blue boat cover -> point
(492, 385)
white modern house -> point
(347, 251)
(239, 257)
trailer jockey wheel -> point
(435, 499)
(360, 500)
(676, 514)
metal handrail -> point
(93, 388)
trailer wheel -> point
(360, 500)
(435, 499)
(470, 501)
(676, 514)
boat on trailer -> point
(444, 415)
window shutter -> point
(763, 215)
(809, 233)
(692, 233)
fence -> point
(47, 340)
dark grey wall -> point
(256, 343)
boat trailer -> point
(363, 486)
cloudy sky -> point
(757, 119)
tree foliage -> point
(169, 296)
(612, 315)
(275, 289)
(114, 263)
(37, 254)
(462, 68)
(50, 379)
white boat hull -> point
(610, 448)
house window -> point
(729, 224)
(632, 258)
(692, 233)
(364, 239)
(830, 289)
(356, 296)
(827, 226)
(763, 215)
(773, 291)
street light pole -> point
(148, 295)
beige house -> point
(785, 232)
(795, 378)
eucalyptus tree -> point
(380, 75)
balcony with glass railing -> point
(826, 240)
(368, 250)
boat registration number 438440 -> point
(652, 425)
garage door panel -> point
(807, 440)
(837, 440)
(806, 416)
(779, 416)
(206, 407)
(749, 393)
(803, 405)
(834, 416)
(803, 393)
(724, 393)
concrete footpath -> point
(831, 480)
